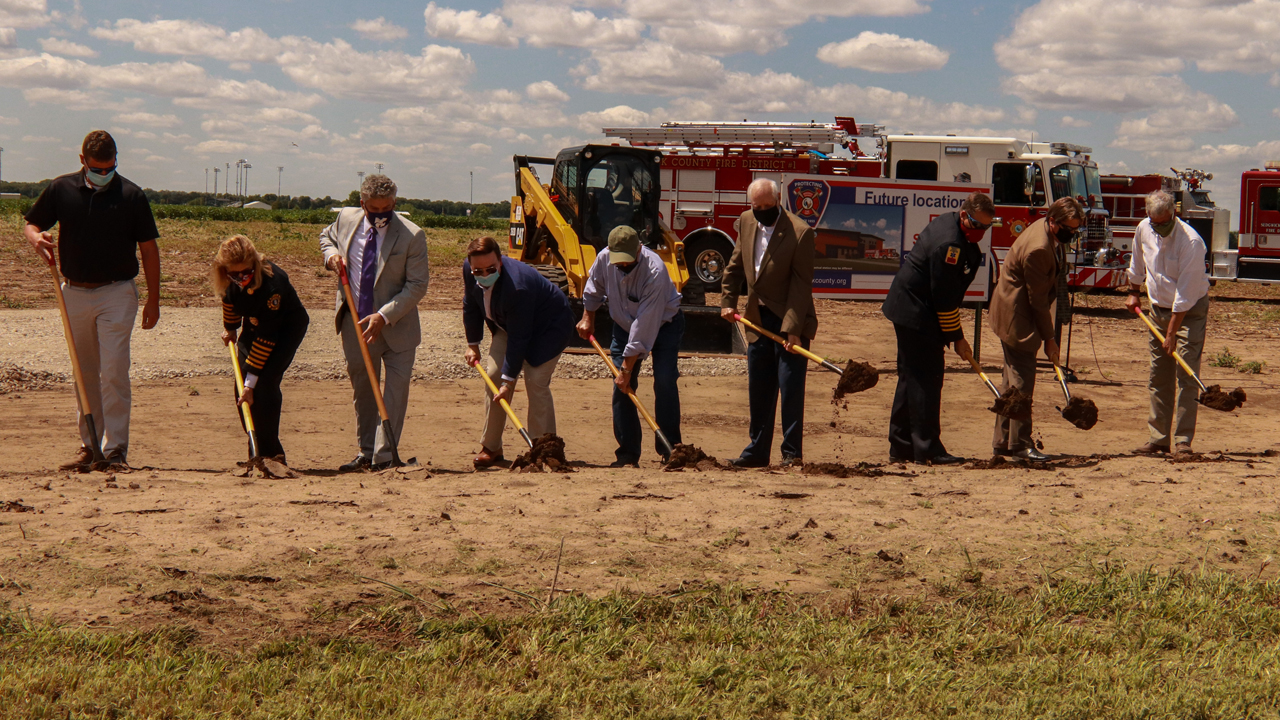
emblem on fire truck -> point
(809, 199)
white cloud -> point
(714, 38)
(193, 38)
(1276, 112)
(480, 148)
(468, 26)
(339, 69)
(764, 13)
(1275, 80)
(148, 119)
(1173, 126)
(616, 116)
(8, 37)
(38, 139)
(379, 29)
(1071, 122)
(9, 121)
(883, 52)
(23, 13)
(544, 25)
(81, 100)
(59, 46)
(653, 68)
(545, 91)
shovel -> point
(1080, 411)
(1212, 397)
(505, 405)
(244, 409)
(82, 396)
(855, 377)
(1009, 407)
(631, 394)
(373, 377)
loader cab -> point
(600, 187)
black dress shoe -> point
(946, 459)
(360, 463)
(624, 463)
(746, 462)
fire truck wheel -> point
(707, 258)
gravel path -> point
(186, 344)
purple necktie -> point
(368, 271)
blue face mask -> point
(97, 180)
(380, 220)
(488, 281)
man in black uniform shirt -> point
(924, 306)
(104, 223)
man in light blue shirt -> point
(645, 309)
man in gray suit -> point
(387, 259)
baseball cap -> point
(624, 244)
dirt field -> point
(184, 538)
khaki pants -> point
(101, 325)
(1174, 394)
(397, 367)
(537, 385)
(1019, 372)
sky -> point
(442, 91)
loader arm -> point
(567, 251)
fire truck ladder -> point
(800, 136)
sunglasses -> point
(102, 171)
(484, 272)
(240, 276)
(973, 221)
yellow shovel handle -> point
(1159, 336)
(235, 365)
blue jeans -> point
(771, 371)
(666, 390)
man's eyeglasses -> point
(973, 222)
(102, 171)
(484, 272)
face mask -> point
(99, 181)
(488, 281)
(971, 231)
(241, 278)
(379, 220)
(767, 217)
(626, 269)
(1164, 228)
(1065, 234)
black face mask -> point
(1065, 234)
(626, 269)
(768, 217)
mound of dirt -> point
(1013, 404)
(862, 469)
(1081, 412)
(546, 455)
(857, 376)
(1215, 398)
(690, 456)
(269, 467)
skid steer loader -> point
(559, 227)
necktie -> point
(368, 271)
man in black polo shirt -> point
(104, 222)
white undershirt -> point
(762, 243)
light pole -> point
(472, 173)
(279, 179)
(216, 170)
(1, 164)
(379, 166)
(359, 179)
(206, 181)
(226, 181)
(245, 196)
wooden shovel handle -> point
(364, 347)
(1156, 331)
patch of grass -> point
(1253, 367)
(1225, 359)
(12, 304)
(1118, 644)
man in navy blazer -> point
(530, 321)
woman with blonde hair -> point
(260, 305)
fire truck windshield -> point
(1077, 181)
(619, 190)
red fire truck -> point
(1124, 197)
(1257, 257)
(706, 168)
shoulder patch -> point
(273, 302)
(953, 255)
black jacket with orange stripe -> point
(930, 285)
(262, 313)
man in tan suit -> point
(1022, 313)
(774, 257)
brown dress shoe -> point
(1151, 449)
(1182, 449)
(83, 457)
(487, 458)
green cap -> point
(624, 244)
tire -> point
(707, 257)
(555, 275)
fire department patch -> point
(809, 199)
(273, 302)
(953, 255)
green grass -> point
(1117, 645)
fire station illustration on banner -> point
(865, 226)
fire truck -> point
(1257, 256)
(706, 168)
(1124, 197)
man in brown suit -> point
(774, 257)
(1022, 313)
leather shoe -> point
(624, 463)
(946, 459)
(1182, 449)
(82, 459)
(1152, 449)
(487, 458)
(746, 462)
(360, 463)
(1031, 454)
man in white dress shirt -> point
(1169, 257)
(385, 256)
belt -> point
(1161, 307)
(89, 286)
